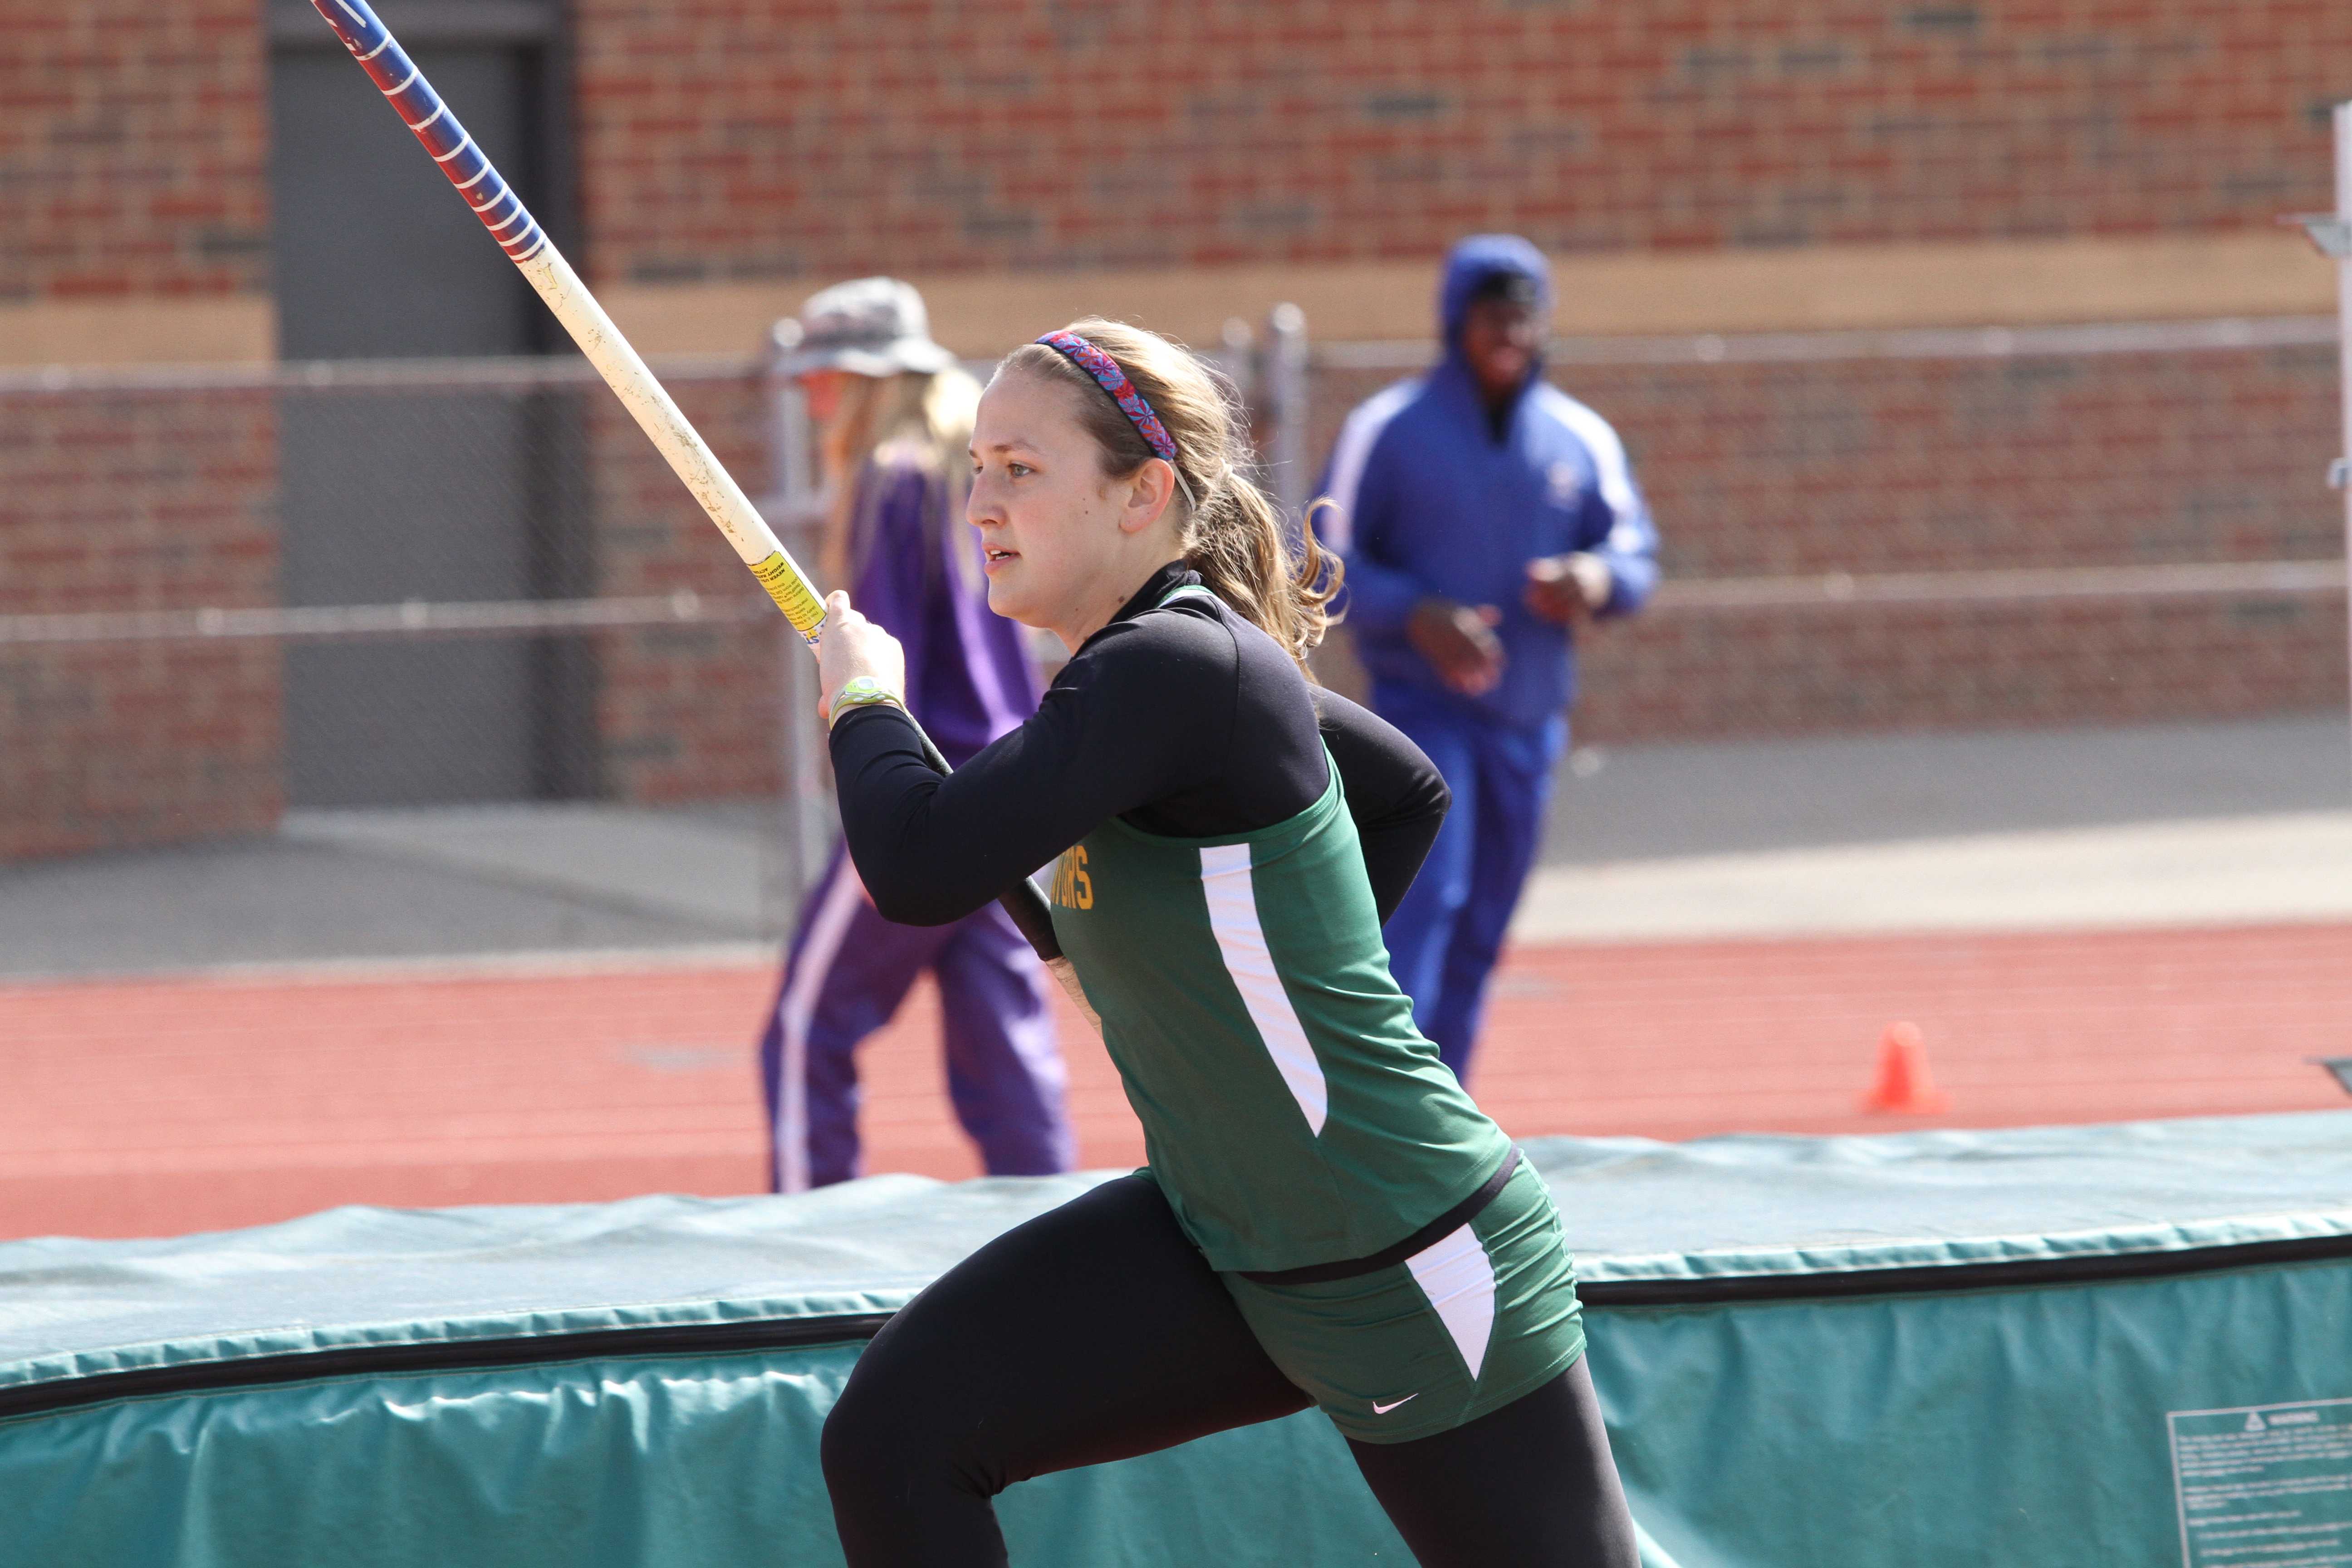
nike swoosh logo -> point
(1379, 1409)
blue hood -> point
(1433, 494)
(1472, 262)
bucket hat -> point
(867, 326)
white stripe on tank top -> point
(1232, 918)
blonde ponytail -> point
(927, 418)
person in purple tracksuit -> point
(895, 414)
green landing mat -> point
(2049, 1346)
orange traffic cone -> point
(1904, 1087)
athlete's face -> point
(1061, 538)
(824, 389)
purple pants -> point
(846, 973)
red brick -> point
(110, 745)
(1919, 137)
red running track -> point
(152, 1106)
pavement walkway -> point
(2295, 866)
(2166, 824)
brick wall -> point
(763, 138)
(134, 502)
(2018, 666)
(1966, 465)
(133, 150)
(770, 138)
(134, 164)
(1930, 464)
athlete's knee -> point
(865, 1461)
(898, 1497)
(877, 1457)
(888, 1445)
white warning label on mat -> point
(2267, 1484)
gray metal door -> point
(439, 493)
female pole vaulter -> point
(1326, 1217)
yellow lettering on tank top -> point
(1074, 888)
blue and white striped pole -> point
(527, 245)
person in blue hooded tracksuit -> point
(1483, 514)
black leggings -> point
(1098, 1332)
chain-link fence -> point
(240, 599)
(1961, 529)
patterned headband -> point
(1113, 380)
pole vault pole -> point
(387, 65)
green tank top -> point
(1291, 1111)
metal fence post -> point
(2332, 232)
(1236, 356)
(795, 846)
(2343, 252)
(1286, 393)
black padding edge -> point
(800, 1333)
(1944, 1278)
(436, 1355)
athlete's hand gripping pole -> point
(520, 235)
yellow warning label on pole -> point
(793, 594)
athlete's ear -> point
(1148, 490)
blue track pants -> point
(847, 971)
(1444, 938)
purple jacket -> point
(915, 570)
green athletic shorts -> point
(1486, 1313)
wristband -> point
(861, 691)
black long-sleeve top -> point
(1181, 719)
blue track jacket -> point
(1428, 502)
